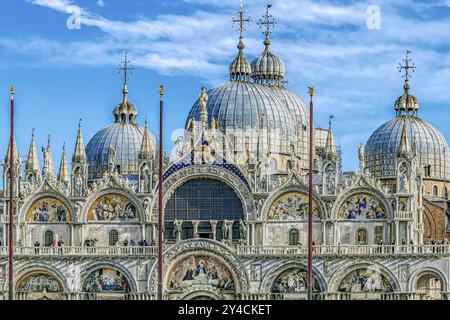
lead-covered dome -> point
(249, 111)
(427, 142)
(124, 137)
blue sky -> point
(64, 74)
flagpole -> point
(310, 192)
(11, 201)
(160, 195)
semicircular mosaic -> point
(48, 209)
(113, 207)
(292, 206)
(362, 206)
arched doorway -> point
(292, 284)
(106, 284)
(200, 277)
(39, 285)
(365, 284)
(429, 286)
(199, 202)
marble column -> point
(195, 225)
(71, 235)
(214, 228)
(143, 231)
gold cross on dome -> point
(126, 67)
(241, 21)
(408, 65)
(267, 21)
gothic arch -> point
(125, 193)
(46, 194)
(212, 248)
(275, 271)
(337, 278)
(360, 190)
(416, 275)
(185, 174)
(84, 273)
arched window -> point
(361, 236)
(203, 200)
(293, 237)
(48, 238)
(273, 165)
(435, 190)
(113, 237)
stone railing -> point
(346, 250)
(81, 251)
(403, 215)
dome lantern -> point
(407, 104)
(240, 69)
(125, 111)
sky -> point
(63, 57)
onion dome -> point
(407, 103)
(268, 68)
(395, 138)
(240, 69)
(125, 136)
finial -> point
(126, 67)
(12, 92)
(311, 91)
(161, 91)
(49, 139)
(79, 123)
(330, 122)
(241, 20)
(146, 122)
(64, 147)
(32, 133)
(267, 22)
(407, 66)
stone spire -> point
(48, 169)
(330, 146)
(240, 69)
(15, 152)
(79, 154)
(146, 146)
(63, 175)
(32, 164)
(404, 149)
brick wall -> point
(434, 220)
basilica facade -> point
(235, 203)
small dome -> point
(125, 139)
(383, 145)
(268, 68)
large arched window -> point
(202, 200)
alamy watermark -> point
(373, 21)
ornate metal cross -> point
(126, 67)
(241, 20)
(407, 66)
(267, 21)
